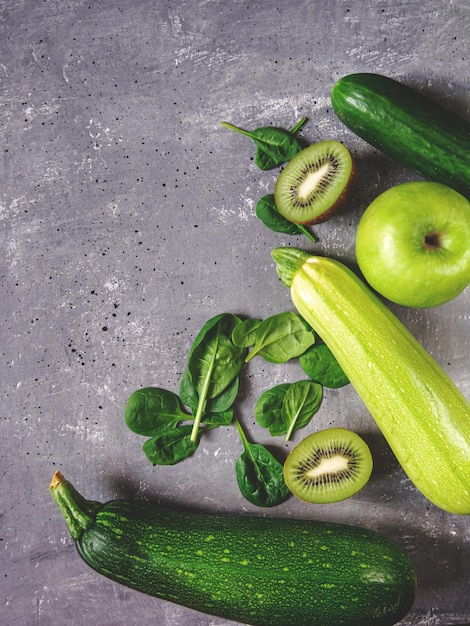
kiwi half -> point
(328, 466)
(316, 183)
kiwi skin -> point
(338, 202)
(333, 446)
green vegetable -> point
(267, 212)
(268, 409)
(222, 402)
(260, 476)
(288, 406)
(159, 414)
(301, 402)
(151, 410)
(219, 418)
(209, 387)
(171, 446)
(244, 334)
(214, 362)
(274, 145)
(277, 338)
(421, 412)
(319, 363)
(407, 126)
(253, 569)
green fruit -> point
(413, 244)
(328, 466)
(316, 183)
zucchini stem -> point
(78, 512)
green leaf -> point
(171, 447)
(188, 393)
(274, 145)
(222, 418)
(288, 406)
(281, 337)
(225, 399)
(222, 402)
(267, 212)
(301, 402)
(214, 362)
(244, 334)
(151, 410)
(268, 409)
(260, 476)
(319, 363)
(200, 337)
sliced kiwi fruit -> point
(328, 466)
(316, 183)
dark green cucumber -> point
(407, 126)
(257, 570)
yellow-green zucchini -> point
(256, 570)
(420, 411)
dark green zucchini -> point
(257, 570)
(407, 126)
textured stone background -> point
(127, 220)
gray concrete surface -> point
(127, 220)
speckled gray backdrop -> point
(127, 220)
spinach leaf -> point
(188, 394)
(222, 402)
(301, 402)
(260, 476)
(267, 212)
(244, 334)
(213, 321)
(214, 362)
(171, 446)
(274, 145)
(268, 409)
(221, 418)
(281, 337)
(288, 406)
(151, 410)
(319, 363)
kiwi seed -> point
(328, 466)
(316, 183)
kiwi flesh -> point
(328, 466)
(316, 183)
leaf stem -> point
(291, 428)
(237, 129)
(307, 233)
(243, 437)
(252, 353)
(299, 125)
(201, 404)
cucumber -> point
(257, 570)
(407, 126)
(420, 411)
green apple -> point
(413, 244)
